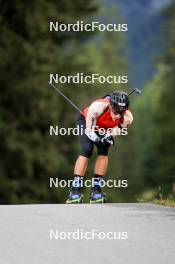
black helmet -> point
(119, 101)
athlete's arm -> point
(127, 121)
(95, 110)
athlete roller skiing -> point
(110, 113)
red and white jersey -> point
(100, 115)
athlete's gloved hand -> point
(92, 135)
(107, 140)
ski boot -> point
(75, 197)
(96, 195)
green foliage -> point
(29, 156)
(28, 106)
(154, 127)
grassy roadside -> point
(152, 196)
(167, 202)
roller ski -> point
(75, 196)
(96, 195)
(97, 200)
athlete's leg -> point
(86, 150)
(81, 165)
(99, 171)
(101, 165)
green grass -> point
(153, 196)
(166, 202)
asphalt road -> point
(38, 234)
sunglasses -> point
(118, 110)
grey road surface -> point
(48, 234)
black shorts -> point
(87, 145)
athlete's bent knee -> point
(86, 151)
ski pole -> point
(135, 90)
(76, 107)
(67, 99)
